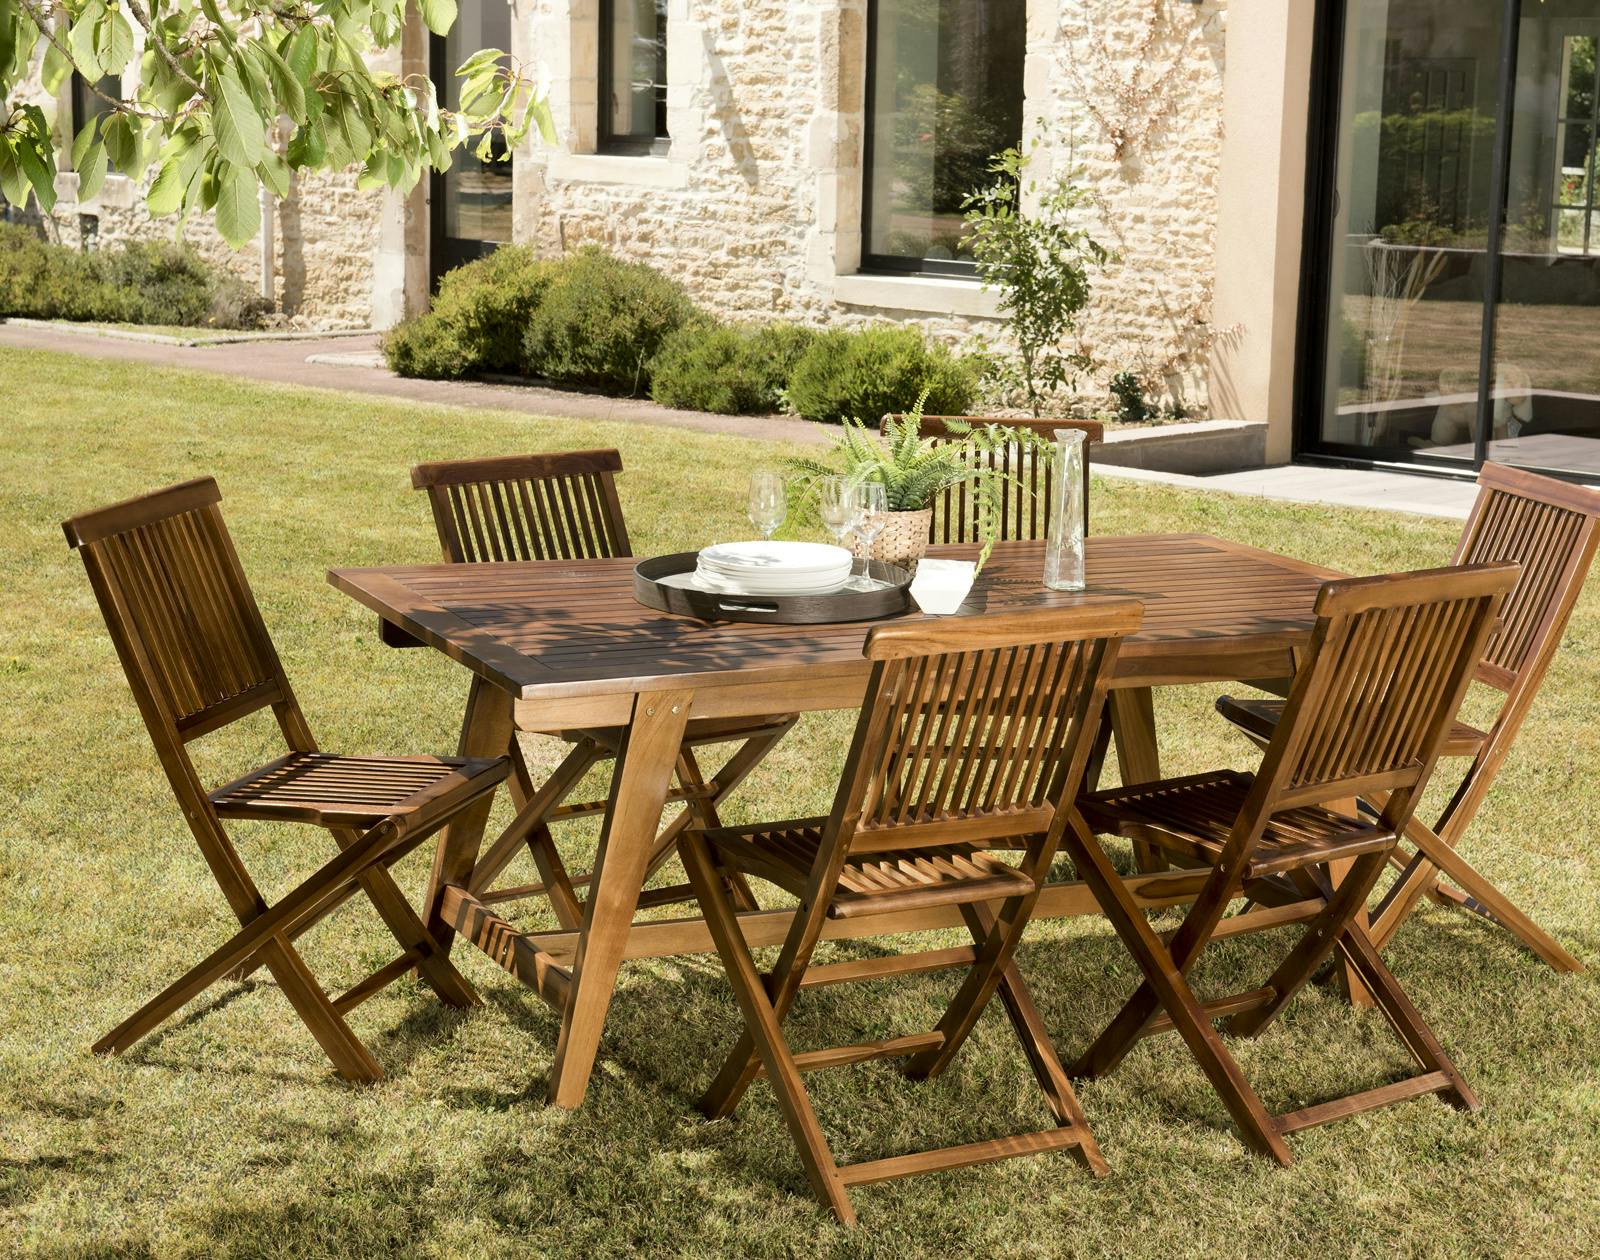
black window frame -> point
(80, 94)
(1316, 271)
(607, 141)
(446, 253)
(894, 264)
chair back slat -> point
(1548, 527)
(179, 607)
(970, 731)
(1025, 506)
(1389, 661)
(560, 506)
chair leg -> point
(1404, 1017)
(763, 1026)
(1348, 899)
(532, 813)
(1030, 1029)
(406, 927)
(1165, 980)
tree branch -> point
(41, 19)
(173, 64)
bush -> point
(140, 282)
(738, 369)
(602, 320)
(477, 321)
(866, 373)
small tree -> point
(1040, 264)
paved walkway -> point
(347, 363)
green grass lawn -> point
(227, 1134)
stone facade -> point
(756, 206)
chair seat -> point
(329, 790)
(871, 883)
(1260, 718)
(1192, 816)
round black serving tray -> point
(791, 610)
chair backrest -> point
(974, 727)
(1389, 660)
(1025, 514)
(180, 611)
(559, 506)
(1551, 529)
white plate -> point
(775, 557)
(768, 584)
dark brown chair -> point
(974, 732)
(564, 506)
(198, 658)
(1551, 529)
(1024, 516)
(1369, 711)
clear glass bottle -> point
(1063, 554)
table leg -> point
(1133, 724)
(485, 732)
(640, 783)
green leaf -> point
(91, 168)
(81, 40)
(238, 205)
(114, 42)
(438, 15)
(38, 164)
(285, 82)
(122, 140)
(85, 138)
(179, 165)
(13, 183)
(274, 173)
(235, 122)
(55, 68)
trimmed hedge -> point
(865, 373)
(601, 321)
(138, 282)
(478, 320)
(735, 369)
(591, 319)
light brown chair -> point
(1551, 529)
(974, 732)
(564, 506)
(1025, 514)
(1371, 704)
(198, 658)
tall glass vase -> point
(1063, 556)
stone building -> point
(1315, 203)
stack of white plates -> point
(773, 568)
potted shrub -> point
(913, 470)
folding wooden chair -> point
(974, 731)
(1369, 711)
(198, 658)
(1551, 529)
(564, 506)
(1024, 516)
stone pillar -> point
(1260, 217)
(400, 259)
(834, 142)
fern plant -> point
(913, 469)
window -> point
(944, 93)
(1577, 131)
(633, 76)
(86, 104)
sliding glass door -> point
(1453, 309)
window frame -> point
(894, 264)
(608, 141)
(1591, 202)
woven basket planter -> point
(904, 539)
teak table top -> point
(569, 631)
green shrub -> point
(140, 282)
(477, 321)
(602, 320)
(736, 369)
(868, 372)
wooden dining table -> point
(560, 646)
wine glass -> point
(768, 503)
(873, 500)
(838, 505)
